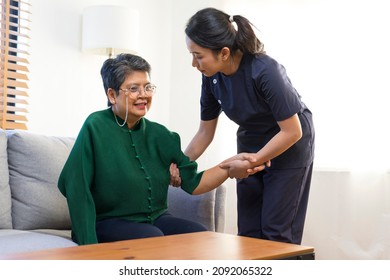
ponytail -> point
(213, 29)
(246, 38)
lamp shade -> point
(110, 30)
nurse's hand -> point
(237, 168)
(256, 169)
(242, 165)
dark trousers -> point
(116, 229)
(272, 204)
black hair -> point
(115, 70)
(211, 28)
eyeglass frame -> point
(135, 90)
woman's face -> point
(204, 59)
(138, 102)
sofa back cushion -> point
(35, 162)
(5, 193)
(207, 209)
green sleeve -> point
(189, 173)
(75, 184)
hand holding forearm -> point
(242, 165)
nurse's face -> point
(204, 59)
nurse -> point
(254, 91)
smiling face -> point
(137, 106)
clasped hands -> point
(243, 165)
(239, 166)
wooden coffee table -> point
(192, 246)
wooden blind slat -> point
(19, 34)
(15, 125)
(16, 42)
(14, 109)
(20, 25)
(14, 75)
(17, 109)
(23, 15)
(15, 117)
(12, 58)
(19, 1)
(14, 50)
(16, 67)
(18, 84)
(11, 91)
(14, 100)
(23, 2)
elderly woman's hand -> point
(175, 175)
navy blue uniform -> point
(272, 203)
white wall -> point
(320, 42)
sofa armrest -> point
(5, 191)
(220, 208)
(207, 209)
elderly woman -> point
(117, 175)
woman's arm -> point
(214, 177)
(211, 179)
(74, 183)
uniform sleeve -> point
(75, 184)
(275, 87)
(210, 108)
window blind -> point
(15, 22)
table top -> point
(191, 246)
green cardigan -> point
(116, 172)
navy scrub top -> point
(256, 97)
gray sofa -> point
(34, 214)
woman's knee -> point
(172, 225)
(120, 229)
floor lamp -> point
(110, 30)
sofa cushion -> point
(207, 208)
(5, 193)
(35, 162)
(17, 241)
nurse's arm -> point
(290, 132)
(202, 139)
